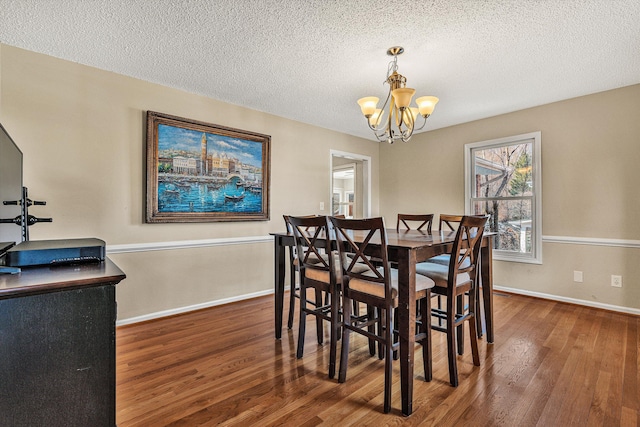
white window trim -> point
(536, 256)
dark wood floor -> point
(552, 364)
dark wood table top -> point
(412, 239)
(37, 280)
(404, 237)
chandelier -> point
(401, 119)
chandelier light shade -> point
(401, 119)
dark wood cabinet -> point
(57, 346)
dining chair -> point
(455, 281)
(447, 222)
(377, 287)
(316, 270)
(409, 219)
(450, 222)
(294, 279)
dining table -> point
(406, 248)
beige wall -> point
(82, 134)
(590, 154)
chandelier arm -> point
(392, 110)
(424, 122)
(400, 121)
(406, 119)
(373, 128)
(381, 137)
(406, 135)
(377, 131)
(376, 126)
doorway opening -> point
(350, 185)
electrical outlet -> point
(577, 276)
(321, 206)
(616, 281)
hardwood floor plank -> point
(629, 417)
(553, 364)
(613, 363)
(507, 398)
(599, 401)
(631, 371)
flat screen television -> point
(10, 187)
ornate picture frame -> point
(201, 172)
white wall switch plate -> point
(577, 276)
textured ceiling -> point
(310, 60)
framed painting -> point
(201, 172)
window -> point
(503, 180)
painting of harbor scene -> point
(202, 172)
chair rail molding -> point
(185, 244)
(592, 241)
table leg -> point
(292, 289)
(486, 270)
(279, 268)
(407, 325)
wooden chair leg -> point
(396, 337)
(388, 362)
(335, 331)
(451, 342)
(292, 287)
(302, 322)
(292, 306)
(381, 324)
(425, 328)
(474, 342)
(344, 352)
(473, 333)
(371, 313)
(319, 325)
(479, 312)
(460, 329)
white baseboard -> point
(610, 307)
(180, 310)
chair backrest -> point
(294, 250)
(286, 220)
(286, 223)
(424, 220)
(310, 234)
(451, 221)
(466, 250)
(353, 238)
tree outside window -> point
(502, 182)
